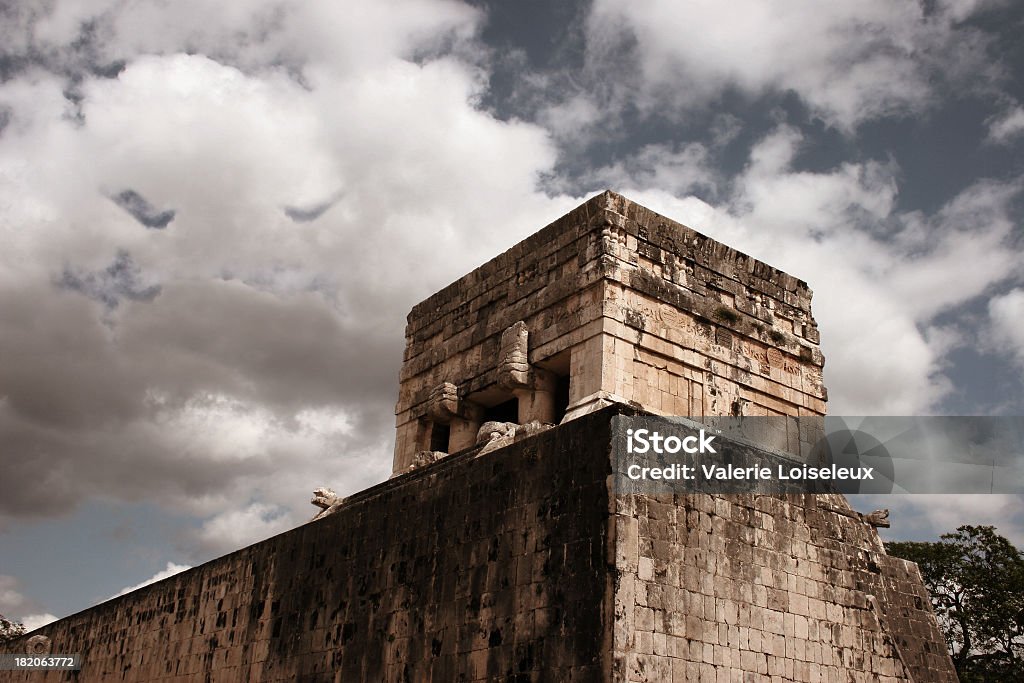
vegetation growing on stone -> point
(726, 315)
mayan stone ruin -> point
(499, 550)
(616, 305)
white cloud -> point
(272, 344)
(680, 171)
(14, 605)
(11, 600)
(1007, 126)
(1006, 313)
(33, 621)
(238, 528)
(849, 62)
(170, 570)
(253, 35)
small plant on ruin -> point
(726, 315)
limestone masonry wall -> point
(772, 588)
(694, 327)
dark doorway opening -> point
(439, 437)
(561, 397)
(503, 412)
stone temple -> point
(610, 304)
(499, 552)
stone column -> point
(538, 401)
(462, 417)
(534, 388)
(464, 427)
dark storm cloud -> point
(140, 209)
(81, 57)
(287, 351)
(203, 392)
(60, 373)
(309, 213)
(120, 280)
(74, 468)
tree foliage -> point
(976, 581)
(9, 630)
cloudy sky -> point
(215, 216)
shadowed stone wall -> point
(472, 569)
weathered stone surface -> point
(38, 645)
(492, 431)
(513, 366)
(878, 518)
(424, 458)
(444, 403)
(327, 500)
(752, 587)
(471, 568)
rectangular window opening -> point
(503, 412)
(440, 434)
(561, 397)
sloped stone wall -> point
(472, 569)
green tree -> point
(976, 581)
(10, 630)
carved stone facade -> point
(610, 303)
